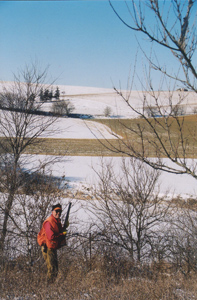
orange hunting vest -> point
(42, 237)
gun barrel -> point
(67, 215)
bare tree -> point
(129, 207)
(161, 131)
(173, 29)
(62, 107)
(107, 111)
(20, 127)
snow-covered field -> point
(93, 101)
(80, 174)
(89, 100)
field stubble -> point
(124, 128)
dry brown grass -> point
(189, 203)
(94, 147)
(76, 280)
(73, 147)
(168, 131)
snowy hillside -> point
(93, 101)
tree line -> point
(48, 95)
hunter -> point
(52, 237)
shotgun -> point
(67, 217)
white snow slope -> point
(93, 101)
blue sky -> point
(82, 42)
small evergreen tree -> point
(41, 95)
(46, 95)
(57, 93)
(50, 95)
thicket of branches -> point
(129, 221)
(135, 220)
(132, 233)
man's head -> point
(56, 210)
